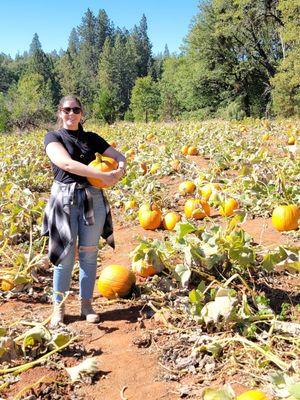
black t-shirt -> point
(81, 146)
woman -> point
(76, 211)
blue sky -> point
(53, 20)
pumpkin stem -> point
(98, 157)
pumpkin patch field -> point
(200, 298)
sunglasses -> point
(67, 110)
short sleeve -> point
(98, 143)
(51, 137)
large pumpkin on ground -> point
(103, 164)
(286, 218)
(196, 208)
(115, 281)
(149, 216)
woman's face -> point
(70, 114)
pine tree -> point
(104, 29)
(40, 63)
(117, 74)
(124, 73)
(7, 77)
(87, 40)
(73, 44)
(68, 74)
(35, 44)
(166, 52)
(105, 105)
(87, 60)
(142, 47)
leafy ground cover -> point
(225, 308)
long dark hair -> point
(69, 97)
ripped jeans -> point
(88, 239)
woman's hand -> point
(112, 177)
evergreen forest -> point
(240, 58)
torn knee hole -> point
(87, 248)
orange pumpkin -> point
(103, 164)
(192, 151)
(115, 281)
(228, 208)
(286, 218)
(170, 220)
(143, 268)
(184, 149)
(196, 208)
(291, 140)
(149, 216)
(186, 187)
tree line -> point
(240, 58)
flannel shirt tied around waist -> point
(56, 221)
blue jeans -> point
(88, 240)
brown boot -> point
(57, 314)
(88, 312)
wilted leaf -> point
(184, 273)
(87, 367)
(61, 339)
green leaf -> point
(244, 256)
(270, 260)
(182, 229)
(238, 218)
(195, 296)
(201, 287)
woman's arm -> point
(116, 155)
(60, 157)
